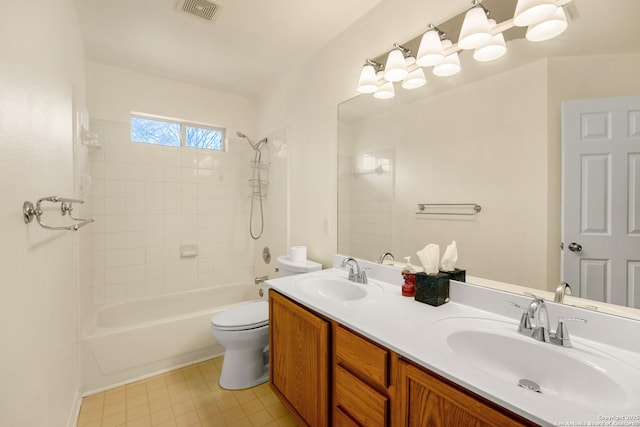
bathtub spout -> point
(260, 280)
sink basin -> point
(336, 288)
(581, 375)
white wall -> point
(148, 200)
(41, 77)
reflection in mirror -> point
(490, 136)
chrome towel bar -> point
(448, 209)
(29, 212)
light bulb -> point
(430, 51)
(396, 68)
(450, 65)
(475, 29)
(368, 82)
(551, 27)
(530, 12)
(385, 90)
(415, 78)
(494, 49)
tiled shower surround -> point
(149, 200)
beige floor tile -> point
(159, 404)
(157, 393)
(161, 416)
(253, 406)
(137, 400)
(233, 415)
(116, 395)
(216, 420)
(227, 403)
(183, 407)
(189, 419)
(155, 383)
(260, 418)
(140, 422)
(137, 412)
(114, 420)
(90, 416)
(269, 399)
(186, 397)
(114, 408)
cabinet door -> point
(425, 400)
(299, 359)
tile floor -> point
(185, 397)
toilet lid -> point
(246, 316)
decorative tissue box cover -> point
(434, 290)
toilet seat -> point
(242, 317)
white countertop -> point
(399, 323)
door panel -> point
(601, 198)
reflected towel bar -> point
(448, 209)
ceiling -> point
(248, 45)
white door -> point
(601, 199)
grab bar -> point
(29, 212)
(448, 209)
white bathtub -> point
(127, 341)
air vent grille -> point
(201, 8)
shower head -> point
(253, 144)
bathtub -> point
(128, 341)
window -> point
(176, 133)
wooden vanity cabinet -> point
(424, 399)
(327, 375)
(299, 360)
(361, 379)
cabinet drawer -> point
(361, 357)
(359, 401)
(340, 419)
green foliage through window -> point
(175, 133)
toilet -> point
(243, 331)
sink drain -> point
(529, 385)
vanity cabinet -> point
(327, 374)
(299, 360)
(360, 380)
(426, 400)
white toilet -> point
(243, 331)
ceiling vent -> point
(204, 9)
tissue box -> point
(432, 290)
(456, 274)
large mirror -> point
(489, 136)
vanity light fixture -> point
(494, 49)
(415, 78)
(530, 12)
(385, 90)
(368, 81)
(450, 65)
(544, 19)
(430, 51)
(396, 68)
(551, 27)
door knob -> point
(575, 247)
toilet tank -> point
(288, 267)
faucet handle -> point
(362, 278)
(525, 320)
(561, 337)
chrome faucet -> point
(384, 256)
(355, 273)
(535, 323)
(562, 290)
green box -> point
(434, 290)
